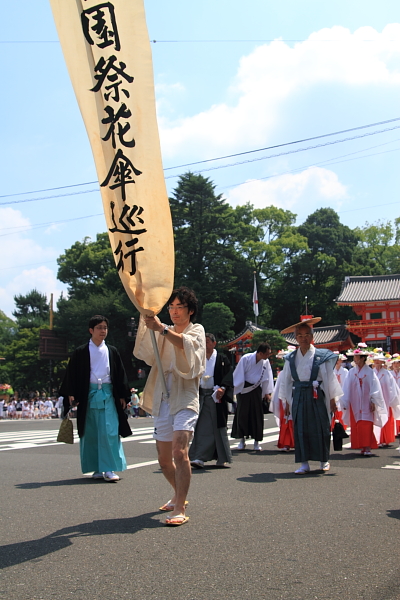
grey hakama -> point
(210, 442)
(311, 422)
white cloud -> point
(311, 188)
(16, 249)
(273, 74)
(18, 253)
(42, 279)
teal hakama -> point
(100, 446)
(311, 422)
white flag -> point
(255, 298)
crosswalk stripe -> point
(42, 438)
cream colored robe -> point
(183, 368)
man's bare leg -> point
(183, 470)
(174, 461)
(164, 450)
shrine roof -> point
(369, 289)
(248, 330)
(323, 335)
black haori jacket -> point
(76, 383)
(223, 375)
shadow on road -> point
(35, 485)
(20, 552)
(273, 477)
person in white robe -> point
(395, 364)
(362, 403)
(341, 374)
(253, 381)
(391, 396)
(277, 407)
(309, 388)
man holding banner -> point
(182, 351)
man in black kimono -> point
(96, 382)
(210, 440)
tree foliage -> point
(26, 370)
(208, 234)
(32, 309)
(94, 287)
(275, 340)
(218, 319)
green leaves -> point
(218, 319)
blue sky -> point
(230, 77)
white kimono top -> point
(360, 388)
(303, 363)
(182, 368)
(249, 370)
(389, 391)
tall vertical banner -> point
(107, 51)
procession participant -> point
(134, 403)
(42, 408)
(391, 396)
(253, 381)
(25, 409)
(210, 441)
(96, 382)
(309, 387)
(395, 364)
(48, 408)
(277, 407)
(11, 410)
(182, 350)
(59, 406)
(341, 374)
(362, 402)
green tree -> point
(274, 246)
(8, 331)
(94, 287)
(275, 340)
(88, 267)
(317, 274)
(32, 309)
(27, 372)
(378, 250)
(218, 319)
(208, 237)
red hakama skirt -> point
(387, 431)
(286, 436)
(362, 433)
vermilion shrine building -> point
(334, 337)
(377, 301)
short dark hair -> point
(96, 320)
(305, 326)
(264, 347)
(185, 296)
(211, 337)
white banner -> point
(107, 51)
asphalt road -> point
(256, 530)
